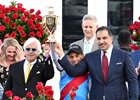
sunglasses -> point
(33, 49)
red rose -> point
(133, 37)
(72, 94)
(2, 16)
(38, 34)
(40, 29)
(15, 16)
(23, 18)
(19, 5)
(133, 46)
(22, 9)
(41, 92)
(2, 28)
(33, 27)
(138, 32)
(19, 29)
(40, 18)
(30, 21)
(32, 34)
(13, 34)
(23, 34)
(29, 95)
(38, 12)
(38, 25)
(16, 98)
(7, 20)
(15, 9)
(26, 13)
(132, 27)
(12, 25)
(49, 92)
(47, 87)
(31, 10)
(39, 86)
(9, 93)
(33, 17)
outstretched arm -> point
(71, 70)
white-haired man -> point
(22, 77)
(89, 27)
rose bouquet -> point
(44, 93)
(72, 92)
(135, 36)
(20, 23)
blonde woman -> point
(10, 52)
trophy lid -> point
(51, 10)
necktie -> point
(104, 66)
(27, 72)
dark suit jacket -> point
(136, 58)
(120, 70)
(39, 73)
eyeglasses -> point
(33, 49)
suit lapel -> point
(113, 61)
(82, 44)
(98, 67)
(95, 46)
(21, 71)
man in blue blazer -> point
(136, 58)
(120, 70)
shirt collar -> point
(91, 41)
(32, 63)
(108, 50)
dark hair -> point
(124, 37)
(105, 28)
(124, 40)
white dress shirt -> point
(108, 54)
(88, 45)
(26, 65)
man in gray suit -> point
(109, 68)
(89, 26)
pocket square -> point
(118, 63)
(38, 72)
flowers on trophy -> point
(20, 23)
(135, 36)
(44, 92)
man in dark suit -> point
(89, 27)
(23, 79)
(108, 82)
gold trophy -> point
(50, 23)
